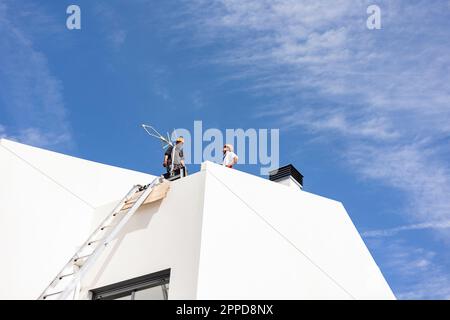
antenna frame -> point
(155, 134)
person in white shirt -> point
(229, 157)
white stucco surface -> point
(264, 240)
(224, 234)
(47, 202)
(159, 236)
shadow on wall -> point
(139, 221)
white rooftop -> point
(224, 234)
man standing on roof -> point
(229, 157)
(174, 159)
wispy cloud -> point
(37, 137)
(30, 94)
(112, 27)
(414, 168)
(118, 38)
(197, 100)
(347, 124)
(414, 271)
(159, 80)
(384, 94)
(393, 231)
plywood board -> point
(159, 192)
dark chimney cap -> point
(284, 172)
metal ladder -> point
(69, 278)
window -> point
(153, 286)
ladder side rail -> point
(100, 248)
(115, 210)
(70, 262)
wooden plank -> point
(127, 206)
(159, 192)
(134, 197)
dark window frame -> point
(128, 287)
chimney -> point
(287, 175)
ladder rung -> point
(108, 226)
(127, 203)
(66, 275)
(134, 197)
(82, 257)
(51, 294)
(94, 241)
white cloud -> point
(434, 287)
(118, 38)
(112, 22)
(197, 98)
(341, 122)
(159, 83)
(30, 94)
(394, 231)
(36, 137)
(384, 94)
(413, 169)
(414, 272)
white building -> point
(218, 234)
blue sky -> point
(363, 114)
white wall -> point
(218, 248)
(215, 245)
(94, 182)
(162, 235)
(244, 257)
(47, 201)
